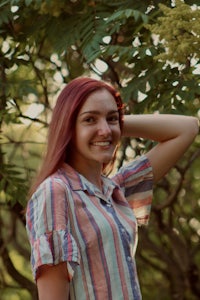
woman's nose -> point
(104, 128)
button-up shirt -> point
(95, 232)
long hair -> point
(65, 112)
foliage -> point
(44, 44)
(179, 31)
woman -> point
(81, 224)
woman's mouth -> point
(102, 144)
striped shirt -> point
(70, 220)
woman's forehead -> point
(101, 99)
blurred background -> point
(149, 50)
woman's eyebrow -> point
(96, 112)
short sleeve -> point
(48, 228)
(136, 182)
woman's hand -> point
(174, 134)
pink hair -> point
(63, 121)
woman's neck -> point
(91, 172)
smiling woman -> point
(96, 135)
(81, 224)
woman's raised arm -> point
(174, 134)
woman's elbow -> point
(193, 128)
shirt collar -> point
(79, 182)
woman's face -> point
(97, 131)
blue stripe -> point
(143, 186)
(125, 238)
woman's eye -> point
(113, 119)
(89, 120)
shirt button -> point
(129, 258)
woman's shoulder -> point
(138, 168)
(56, 183)
(138, 164)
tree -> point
(47, 43)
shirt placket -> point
(125, 238)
